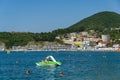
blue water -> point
(75, 66)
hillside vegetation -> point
(98, 21)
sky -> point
(48, 15)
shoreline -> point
(8, 51)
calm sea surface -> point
(75, 66)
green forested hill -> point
(98, 21)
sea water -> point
(75, 66)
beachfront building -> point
(106, 38)
(102, 44)
(116, 45)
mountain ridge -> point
(97, 21)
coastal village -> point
(99, 32)
(76, 41)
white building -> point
(105, 38)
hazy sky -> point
(47, 15)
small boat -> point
(49, 61)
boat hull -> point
(49, 63)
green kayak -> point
(49, 63)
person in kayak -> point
(49, 61)
(46, 60)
